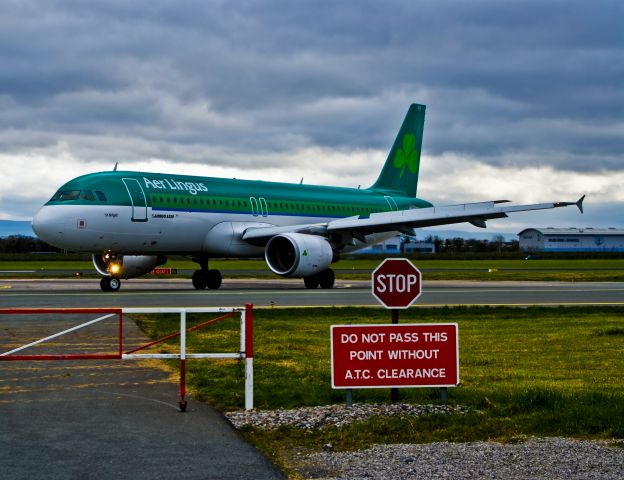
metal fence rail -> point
(245, 352)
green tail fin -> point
(400, 172)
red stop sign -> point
(396, 283)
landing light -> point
(114, 268)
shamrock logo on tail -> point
(407, 156)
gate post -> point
(182, 402)
(248, 356)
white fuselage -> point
(98, 228)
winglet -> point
(579, 203)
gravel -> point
(531, 458)
(332, 415)
(536, 458)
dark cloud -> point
(540, 77)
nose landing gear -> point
(110, 284)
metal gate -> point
(245, 353)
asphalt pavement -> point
(76, 293)
(96, 419)
(93, 419)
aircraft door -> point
(263, 207)
(138, 199)
(254, 206)
(259, 207)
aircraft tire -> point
(200, 281)
(312, 281)
(110, 284)
(327, 278)
(114, 284)
(213, 279)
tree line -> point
(472, 245)
(23, 244)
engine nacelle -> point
(298, 254)
(126, 266)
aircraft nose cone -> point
(37, 223)
(47, 226)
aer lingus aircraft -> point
(130, 221)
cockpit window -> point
(88, 195)
(66, 195)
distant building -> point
(398, 245)
(572, 240)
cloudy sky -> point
(525, 99)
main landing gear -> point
(110, 284)
(325, 279)
(205, 278)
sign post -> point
(397, 283)
(394, 356)
(407, 355)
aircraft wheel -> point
(114, 284)
(213, 279)
(109, 284)
(312, 281)
(200, 282)
(327, 278)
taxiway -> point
(76, 293)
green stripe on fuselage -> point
(206, 194)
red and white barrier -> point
(245, 353)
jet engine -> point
(298, 254)
(126, 266)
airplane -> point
(130, 221)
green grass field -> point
(495, 270)
(534, 371)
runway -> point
(76, 293)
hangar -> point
(399, 244)
(572, 240)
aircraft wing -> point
(261, 235)
(405, 220)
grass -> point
(496, 270)
(534, 371)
